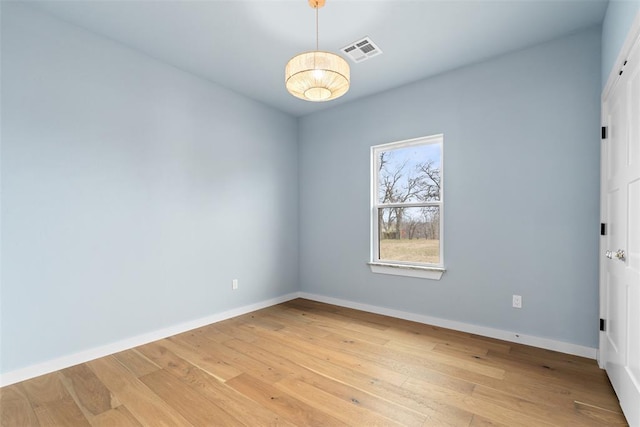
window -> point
(407, 207)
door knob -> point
(619, 254)
(609, 254)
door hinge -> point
(603, 229)
(603, 325)
(624, 64)
(603, 131)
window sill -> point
(433, 273)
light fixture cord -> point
(317, 36)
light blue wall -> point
(617, 22)
(132, 193)
(521, 158)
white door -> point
(620, 246)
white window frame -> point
(403, 268)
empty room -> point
(320, 213)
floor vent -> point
(361, 50)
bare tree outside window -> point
(408, 193)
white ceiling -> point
(244, 45)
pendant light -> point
(317, 75)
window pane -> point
(409, 234)
(409, 174)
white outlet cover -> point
(517, 301)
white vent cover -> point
(361, 50)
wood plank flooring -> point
(304, 363)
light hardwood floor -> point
(304, 363)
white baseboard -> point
(510, 336)
(105, 350)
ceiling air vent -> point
(361, 50)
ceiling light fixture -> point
(317, 76)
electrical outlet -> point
(517, 301)
(234, 284)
